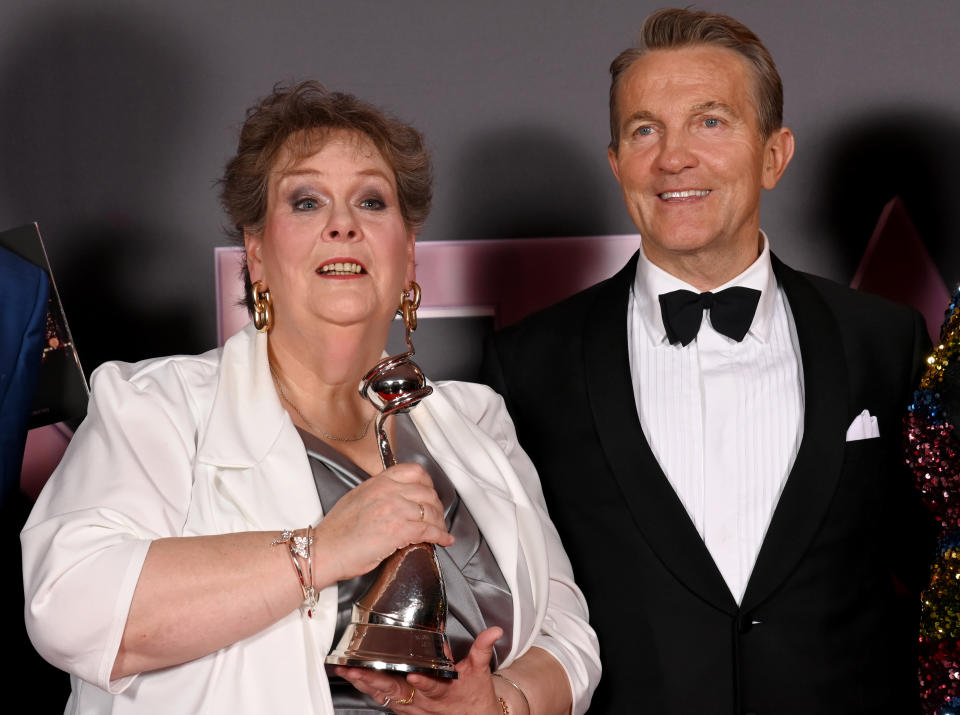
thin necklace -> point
(317, 430)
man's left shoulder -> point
(854, 308)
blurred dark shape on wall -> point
(528, 182)
(92, 102)
(910, 154)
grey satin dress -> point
(477, 594)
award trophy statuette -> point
(399, 623)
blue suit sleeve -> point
(24, 289)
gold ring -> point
(409, 698)
(421, 519)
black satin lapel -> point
(816, 471)
(656, 509)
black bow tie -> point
(731, 312)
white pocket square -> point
(864, 426)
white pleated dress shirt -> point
(724, 419)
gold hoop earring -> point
(262, 307)
(408, 306)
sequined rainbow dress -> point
(932, 440)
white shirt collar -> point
(651, 281)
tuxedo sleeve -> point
(914, 548)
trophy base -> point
(395, 648)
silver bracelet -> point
(518, 688)
(310, 593)
(299, 547)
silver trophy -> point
(399, 624)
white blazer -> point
(185, 446)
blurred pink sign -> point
(897, 265)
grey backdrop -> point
(117, 117)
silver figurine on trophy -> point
(399, 624)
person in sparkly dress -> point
(932, 443)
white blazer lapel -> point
(491, 489)
(259, 468)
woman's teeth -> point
(340, 269)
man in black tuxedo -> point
(718, 435)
